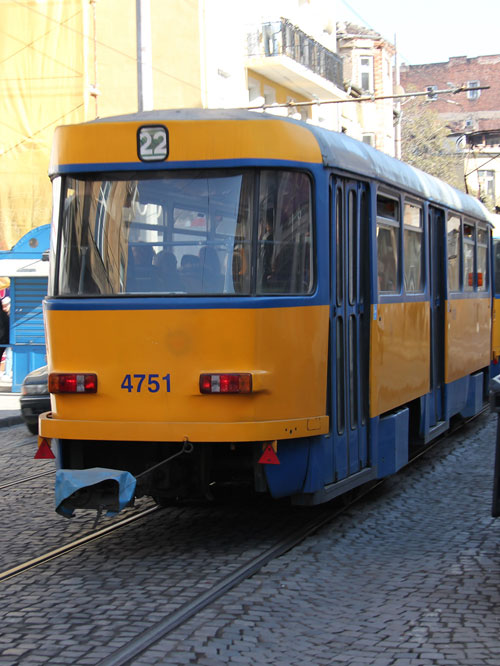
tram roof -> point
(338, 151)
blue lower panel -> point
(392, 442)
(456, 396)
(474, 396)
(289, 476)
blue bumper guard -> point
(70, 481)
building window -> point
(296, 112)
(473, 94)
(253, 90)
(486, 183)
(369, 138)
(269, 95)
(431, 94)
(366, 73)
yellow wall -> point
(43, 74)
(282, 93)
(49, 56)
(175, 55)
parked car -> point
(35, 397)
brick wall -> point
(458, 71)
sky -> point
(430, 30)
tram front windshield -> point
(219, 232)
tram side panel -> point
(399, 354)
(467, 353)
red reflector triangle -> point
(269, 456)
(44, 451)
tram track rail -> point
(73, 545)
(17, 482)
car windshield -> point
(193, 232)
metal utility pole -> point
(397, 129)
(94, 89)
(144, 56)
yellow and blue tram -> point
(237, 297)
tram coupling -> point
(106, 490)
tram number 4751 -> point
(152, 383)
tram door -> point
(437, 254)
(349, 325)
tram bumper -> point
(51, 427)
(109, 490)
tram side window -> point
(284, 259)
(469, 243)
(413, 248)
(387, 243)
(482, 259)
(496, 254)
(453, 245)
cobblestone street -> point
(409, 577)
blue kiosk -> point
(27, 266)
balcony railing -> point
(283, 38)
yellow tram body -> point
(288, 400)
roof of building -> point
(347, 29)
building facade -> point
(76, 60)
(368, 65)
(473, 117)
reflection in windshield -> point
(186, 233)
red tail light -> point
(240, 382)
(70, 382)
